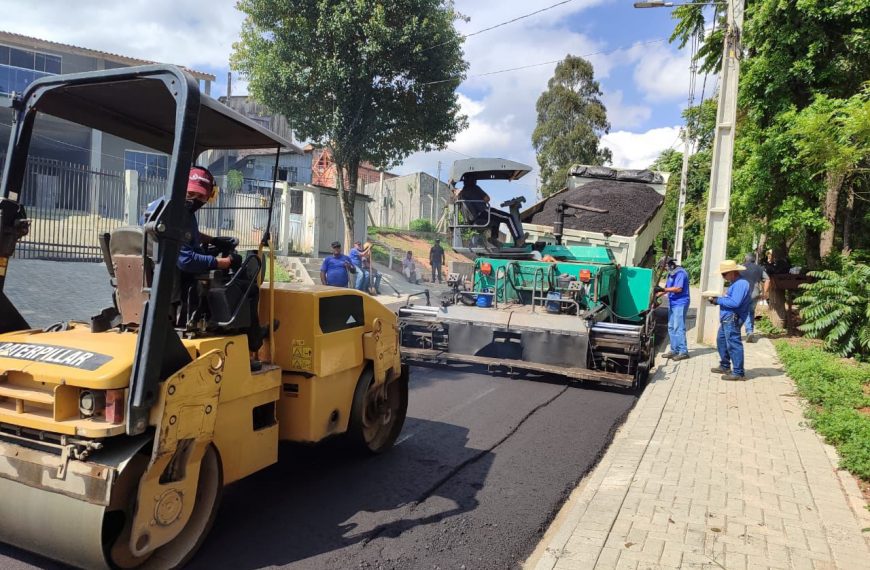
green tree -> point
(701, 121)
(372, 81)
(571, 121)
(833, 141)
(793, 52)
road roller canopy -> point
(139, 104)
(489, 169)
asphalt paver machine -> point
(117, 436)
(548, 308)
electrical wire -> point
(522, 67)
(499, 25)
(712, 31)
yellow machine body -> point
(81, 468)
(327, 337)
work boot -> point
(682, 356)
(669, 354)
(731, 377)
(752, 337)
(719, 370)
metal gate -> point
(69, 206)
(242, 215)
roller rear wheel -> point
(378, 412)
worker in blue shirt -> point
(733, 311)
(335, 268)
(192, 258)
(677, 289)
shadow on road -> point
(319, 499)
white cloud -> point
(501, 108)
(624, 116)
(660, 73)
(639, 150)
(189, 33)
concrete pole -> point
(681, 202)
(719, 203)
(437, 191)
(385, 220)
(131, 198)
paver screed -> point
(713, 474)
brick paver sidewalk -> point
(713, 474)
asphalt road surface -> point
(480, 469)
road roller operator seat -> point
(215, 298)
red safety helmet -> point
(200, 182)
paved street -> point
(708, 474)
(482, 466)
(46, 292)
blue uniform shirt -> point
(336, 272)
(191, 256)
(736, 301)
(356, 257)
(678, 278)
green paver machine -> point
(547, 308)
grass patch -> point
(281, 273)
(768, 329)
(838, 391)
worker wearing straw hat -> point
(733, 312)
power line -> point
(505, 23)
(602, 52)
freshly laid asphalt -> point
(480, 469)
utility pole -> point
(681, 202)
(719, 203)
(437, 191)
(684, 173)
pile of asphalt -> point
(629, 206)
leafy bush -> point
(836, 308)
(768, 328)
(421, 225)
(839, 394)
(692, 265)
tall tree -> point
(571, 121)
(373, 81)
(793, 51)
(833, 140)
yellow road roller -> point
(118, 435)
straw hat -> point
(729, 265)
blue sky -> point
(644, 79)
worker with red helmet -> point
(192, 256)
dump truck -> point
(118, 435)
(568, 310)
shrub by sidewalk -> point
(838, 391)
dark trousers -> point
(497, 218)
(436, 269)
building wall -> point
(401, 200)
(260, 167)
(278, 124)
(66, 141)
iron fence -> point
(242, 215)
(69, 206)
